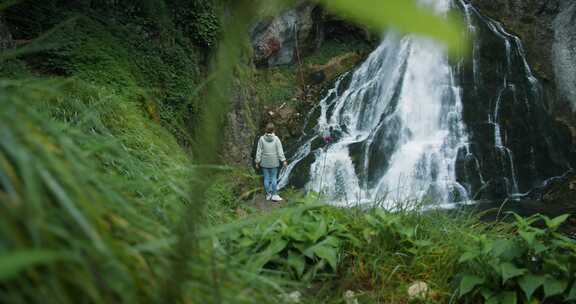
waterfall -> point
(407, 125)
(396, 127)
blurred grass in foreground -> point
(81, 177)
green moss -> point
(277, 85)
(333, 48)
(141, 56)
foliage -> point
(301, 241)
(406, 16)
(127, 53)
(226, 196)
(79, 190)
(392, 233)
(278, 85)
(534, 263)
(198, 20)
(399, 248)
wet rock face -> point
(240, 128)
(515, 143)
(532, 21)
(548, 31)
(559, 190)
(282, 39)
(564, 52)
(544, 144)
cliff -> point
(296, 53)
(547, 29)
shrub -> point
(302, 241)
(533, 263)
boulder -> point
(495, 189)
(350, 297)
(418, 290)
(559, 190)
(283, 39)
(293, 297)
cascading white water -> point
(399, 130)
(402, 110)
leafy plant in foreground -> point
(300, 241)
(392, 233)
(536, 263)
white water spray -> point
(401, 110)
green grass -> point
(335, 48)
(80, 178)
(118, 54)
(281, 84)
(403, 248)
(92, 190)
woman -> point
(268, 157)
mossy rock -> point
(318, 74)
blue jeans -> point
(270, 183)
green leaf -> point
(301, 246)
(520, 221)
(493, 300)
(353, 240)
(245, 242)
(508, 297)
(328, 253)
(11, 264)
(407, 232)
(553, 286)
(404, 15)
(572, 295)
(539, 248)
(468, 283)
(506, 250)
(504, 297)
(326, 249)
(528, 236)
(529, 283)
(468, 255)
(423, 243)
(320, 231)
(311, 272)
(368, 233)
(372, 220)
(297, 261)
(509, 271)
(295, 233)
(499, 247)
(556, 222)
(268, 254)
(486, 293)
